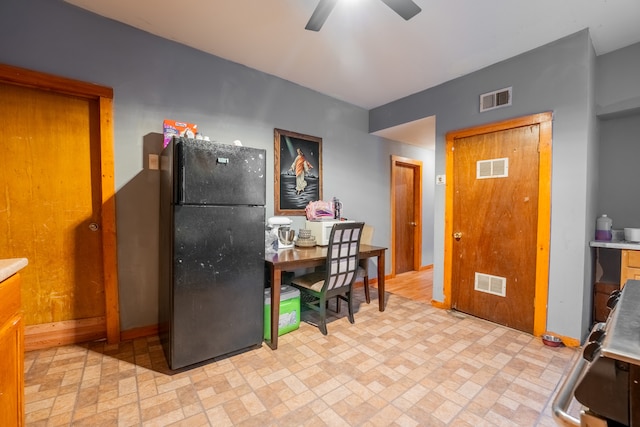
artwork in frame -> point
(298, 171)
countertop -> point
(621, 340)
(615, 244)
(10, 266)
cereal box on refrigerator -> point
(173, 128)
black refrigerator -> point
(212, 224)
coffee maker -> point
(281, 228)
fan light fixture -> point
(405, 8)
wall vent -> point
(494, 285)
(493, 168)
(495, 99)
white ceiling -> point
(365, 54)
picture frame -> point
(298, 180)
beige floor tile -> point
(412, 365)
(129, 415)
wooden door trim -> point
(35, 79)
(417, 202)
(104, 95)
(544, 120)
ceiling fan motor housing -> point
(407, 9)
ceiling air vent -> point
(495, 99)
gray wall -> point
(619, 158)
(618, 82)
(155, 79)
(593, 175)
(557, 77)
(618, 107)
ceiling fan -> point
(405, 8)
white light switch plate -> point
(440, 180)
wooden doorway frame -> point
(417, 203)
(544, 120)
(104, 95)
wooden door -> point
(52, 211)
(406, 196)
(495, 241)
(494, 221)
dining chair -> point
(363, 265)
(338, 276)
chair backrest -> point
(367, 234)
(342, 255)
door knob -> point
(413, 224)
(457, 235)
(94, 226)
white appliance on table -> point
(281, 228)
(321, 230)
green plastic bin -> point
(289, 311)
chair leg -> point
(350, 304)
(366, 289)
(322, 324)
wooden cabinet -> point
(11, 353)
(615, 263)
(629, 266)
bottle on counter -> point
(603, 227)
(337, 208)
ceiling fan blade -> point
(320, 15)
(405, 8)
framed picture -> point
(298, 171)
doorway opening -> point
(406, 215)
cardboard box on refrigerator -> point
(171, 128)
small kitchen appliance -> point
(321, 230)
(281, 228)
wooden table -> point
(295, 258)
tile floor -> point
(412, 365)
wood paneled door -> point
(498, 216)
(57, 207)
(406, 214)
